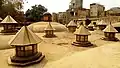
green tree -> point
(36, 13)
(18, 5)
(13, 9)
(1, 3)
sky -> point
(63, 5)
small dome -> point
(102, 22)
(72, 23)
(82, 31)
(46, 13)
(1, 19)
(116, 24)
(40, 26)
(91, 25)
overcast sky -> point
(62, 5)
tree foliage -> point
(1, 3)
(13, 9)
(36, 13)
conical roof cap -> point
(110, 28)
(117, 24)
(82, 31)
(71, 23)
(24, 37)
(91, 24)
(49, 27)
(8, 19)
(1, 18)
(97, 21)
(102, 23)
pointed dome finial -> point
(110, 23)
(24, 23)
(8, 13)
(81, 23)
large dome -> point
(116, 24)
(40, 26)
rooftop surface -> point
(55, 48)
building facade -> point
(76, 4)
(62, 16)
(54, 17)
(76, 11)
(83, 13)
(96, 10)
(115, 11)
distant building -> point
(96, 10)
(62, 17)
(76, 11)
(115, 11)
(83, 13)
(54, 17)
(76, 4)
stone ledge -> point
(52, 36)
(107, 39)
(25, 63)
(83, 44)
